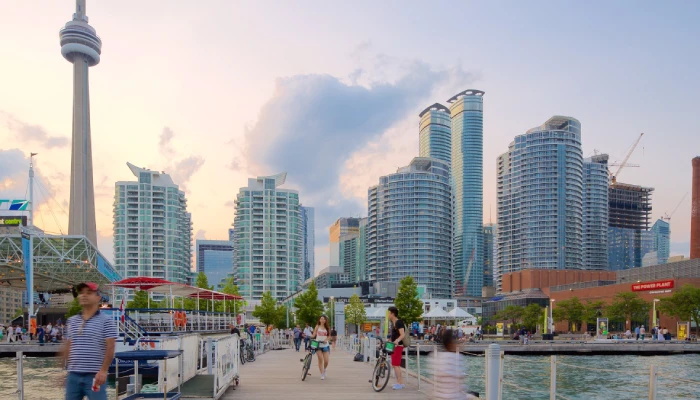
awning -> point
(436, 313)
(459, 313)
(161, 286)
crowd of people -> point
(44, 333)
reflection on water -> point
(604, 377)
(600, 377)
(43, 379)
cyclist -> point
(321, 334)
(398, 331)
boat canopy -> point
(161, 286)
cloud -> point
(27, 133)
(201, 235)
(164, 145)
(315, 124)
(180, 170)
(230, 203)
(235, 165)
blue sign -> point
(28, 255)
(13, 205)
(105, 270)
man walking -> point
(636, 332)
(398, 332)
(308, 332)
(297, 337)
(89, 348)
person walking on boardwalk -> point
(89, 348)
(450, 382)
(642, 331)
(297, 337)
(398, 332)
(307, 336)
(636, 332)
(322, 333)
(334, 337)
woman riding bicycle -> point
(321, 334)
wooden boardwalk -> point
(277, 375)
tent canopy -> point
(436, 313)
(459, 313)
(161, 286)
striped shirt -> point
(88, 344)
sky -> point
(217, 92)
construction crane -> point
(667, 216)
(624, 162)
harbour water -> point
(620, 377)
(593, 377)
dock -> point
(277, 375)
(29, 349)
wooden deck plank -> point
(277, 375)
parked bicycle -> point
(246, 352)
(382, 369)
(313, 346)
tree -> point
(407, 301)
(140, 300)
(511, 314)
(591, 311)
(355, 312)
(74, 308)
(628, 306)
(532, 316)
(309, 307)
(683, 304)
(230, 305)
(267, 312)
(203, 281)
(570, 310)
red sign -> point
(640, 287)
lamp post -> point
(332, 321)
(551, 315)
(654, 320)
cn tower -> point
(81, 46)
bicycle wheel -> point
(242, 355)
(251, 355)
(380, 378)
(305, 367)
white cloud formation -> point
(28, 133)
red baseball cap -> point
(90, 285)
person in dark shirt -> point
(398, 331)
(334, 337)
(235, 331)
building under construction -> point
(629, 216)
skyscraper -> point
(215, 259)
(353, 252)
(409, 227)
(269, 239)
(309, 242)
(435, 133)
(81, 46)
(489, 230)
(629, 212)
(467, 120)
(341, 228)
(661, 237)
(152, 228)
(595, 212)
(540, 199)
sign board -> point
(642, 287)
(13, 220)
(682, 330)
(13, 205)
(499, 328)
(367, 327)
(602, 328)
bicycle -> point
(382, 369)
(247, 354)
(313, 346)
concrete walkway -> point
(277, 375)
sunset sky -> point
(215, 92)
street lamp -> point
(332, 318)
(654, 321)
(551, 313)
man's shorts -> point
(396, 356)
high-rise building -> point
(269, 239)
(231, 234)
(661, 237)
(435, 133)
(10, 302)
(215, 259)
(152, 228)
(409, 227)
(489, 230)
(540, 199)
(341, 228)
(309, 242)
(81, 46)
(595, 212)
(629, 212)
(353, 253)
(467, 156)
(695, 211)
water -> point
(624, 377)
(612, 377)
